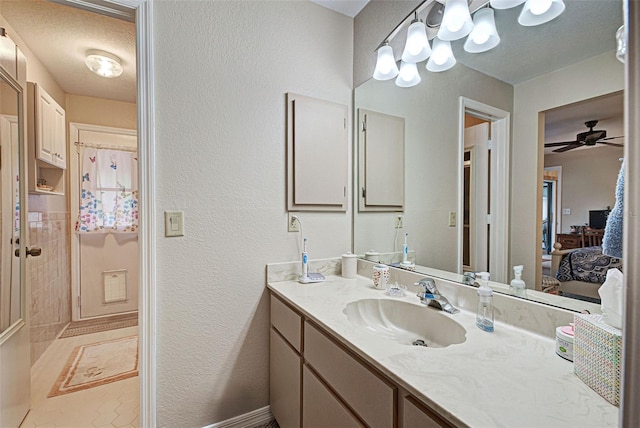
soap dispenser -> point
(518, 287)
(484, 316)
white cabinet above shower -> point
(47, 141)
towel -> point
(612, 240)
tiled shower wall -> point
(50, 278)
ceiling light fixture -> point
(386, 67)
(484, 35)
(103, 63)
(456, 21)
(537, 12)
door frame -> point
(141, 11)
(74, 203)
(500, 173)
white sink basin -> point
(405, 323)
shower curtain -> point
(109, 191)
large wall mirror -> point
(534, 70)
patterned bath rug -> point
(97, 325)
(97, 364)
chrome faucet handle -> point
(428, 287)
(469, 278)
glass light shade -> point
(417, 47)
(456, 21)
(484, 35)
(505, 4)
(537, 12)
(386, 67)
(621, 44)
(408, 75)
(103, 64)
(442, 57)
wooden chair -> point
(592, 237)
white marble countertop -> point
(509, 378)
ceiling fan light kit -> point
(453, 19)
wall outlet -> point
(293, 225)
(452, 219)
(566, 211)
(399, 221)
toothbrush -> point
(305, 264)
(405, 249)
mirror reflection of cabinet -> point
(317, 154)
(380, 161)
(47, 142)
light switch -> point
(452, 219)
(174, 223)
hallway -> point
(112, 405)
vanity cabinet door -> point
(321, 409)
(415, 414)
(371, 397)
(287, 322)
(284, 383)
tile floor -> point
(112, 405)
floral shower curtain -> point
(109, 191)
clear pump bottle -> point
(484, 316)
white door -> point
(476, 140)
(106, 264)
(15, 361)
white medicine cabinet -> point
(317, 154)
(380, 161)
(47, 142)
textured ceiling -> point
(346, 7)
(61, 35)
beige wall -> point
(220, 85)
(588, 181)
(596, 76)
(97, 111)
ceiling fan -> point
(587, 138)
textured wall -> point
(596, 76)
(221, 71)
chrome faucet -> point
(429, 295)
(469, 278)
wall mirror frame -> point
(432, 113)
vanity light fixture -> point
(442, 57)
(537, 12)
(386, 67)
(103, 63)
(417, 48)
(408, 75)
(456, 21)
(484, 35)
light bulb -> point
(481, 34)
(416, 38)
(538, 7)
(439, 56)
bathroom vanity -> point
(328, 368)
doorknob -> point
(33, 252)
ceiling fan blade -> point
(610, 138)
(610, 144)
(564, 149)
(562, 143)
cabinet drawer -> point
(287, 322)
(372, 398)
(284, 385)
(414, 414)
(320, 408)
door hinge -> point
(364, 193)
(364, 126)
(489, 144)
(345, 123)
(489, 218)
(345, 191)
(78, 301)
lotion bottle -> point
(518, 287)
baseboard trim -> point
(248, 420)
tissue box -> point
(597, 354)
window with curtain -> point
(108, 191)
